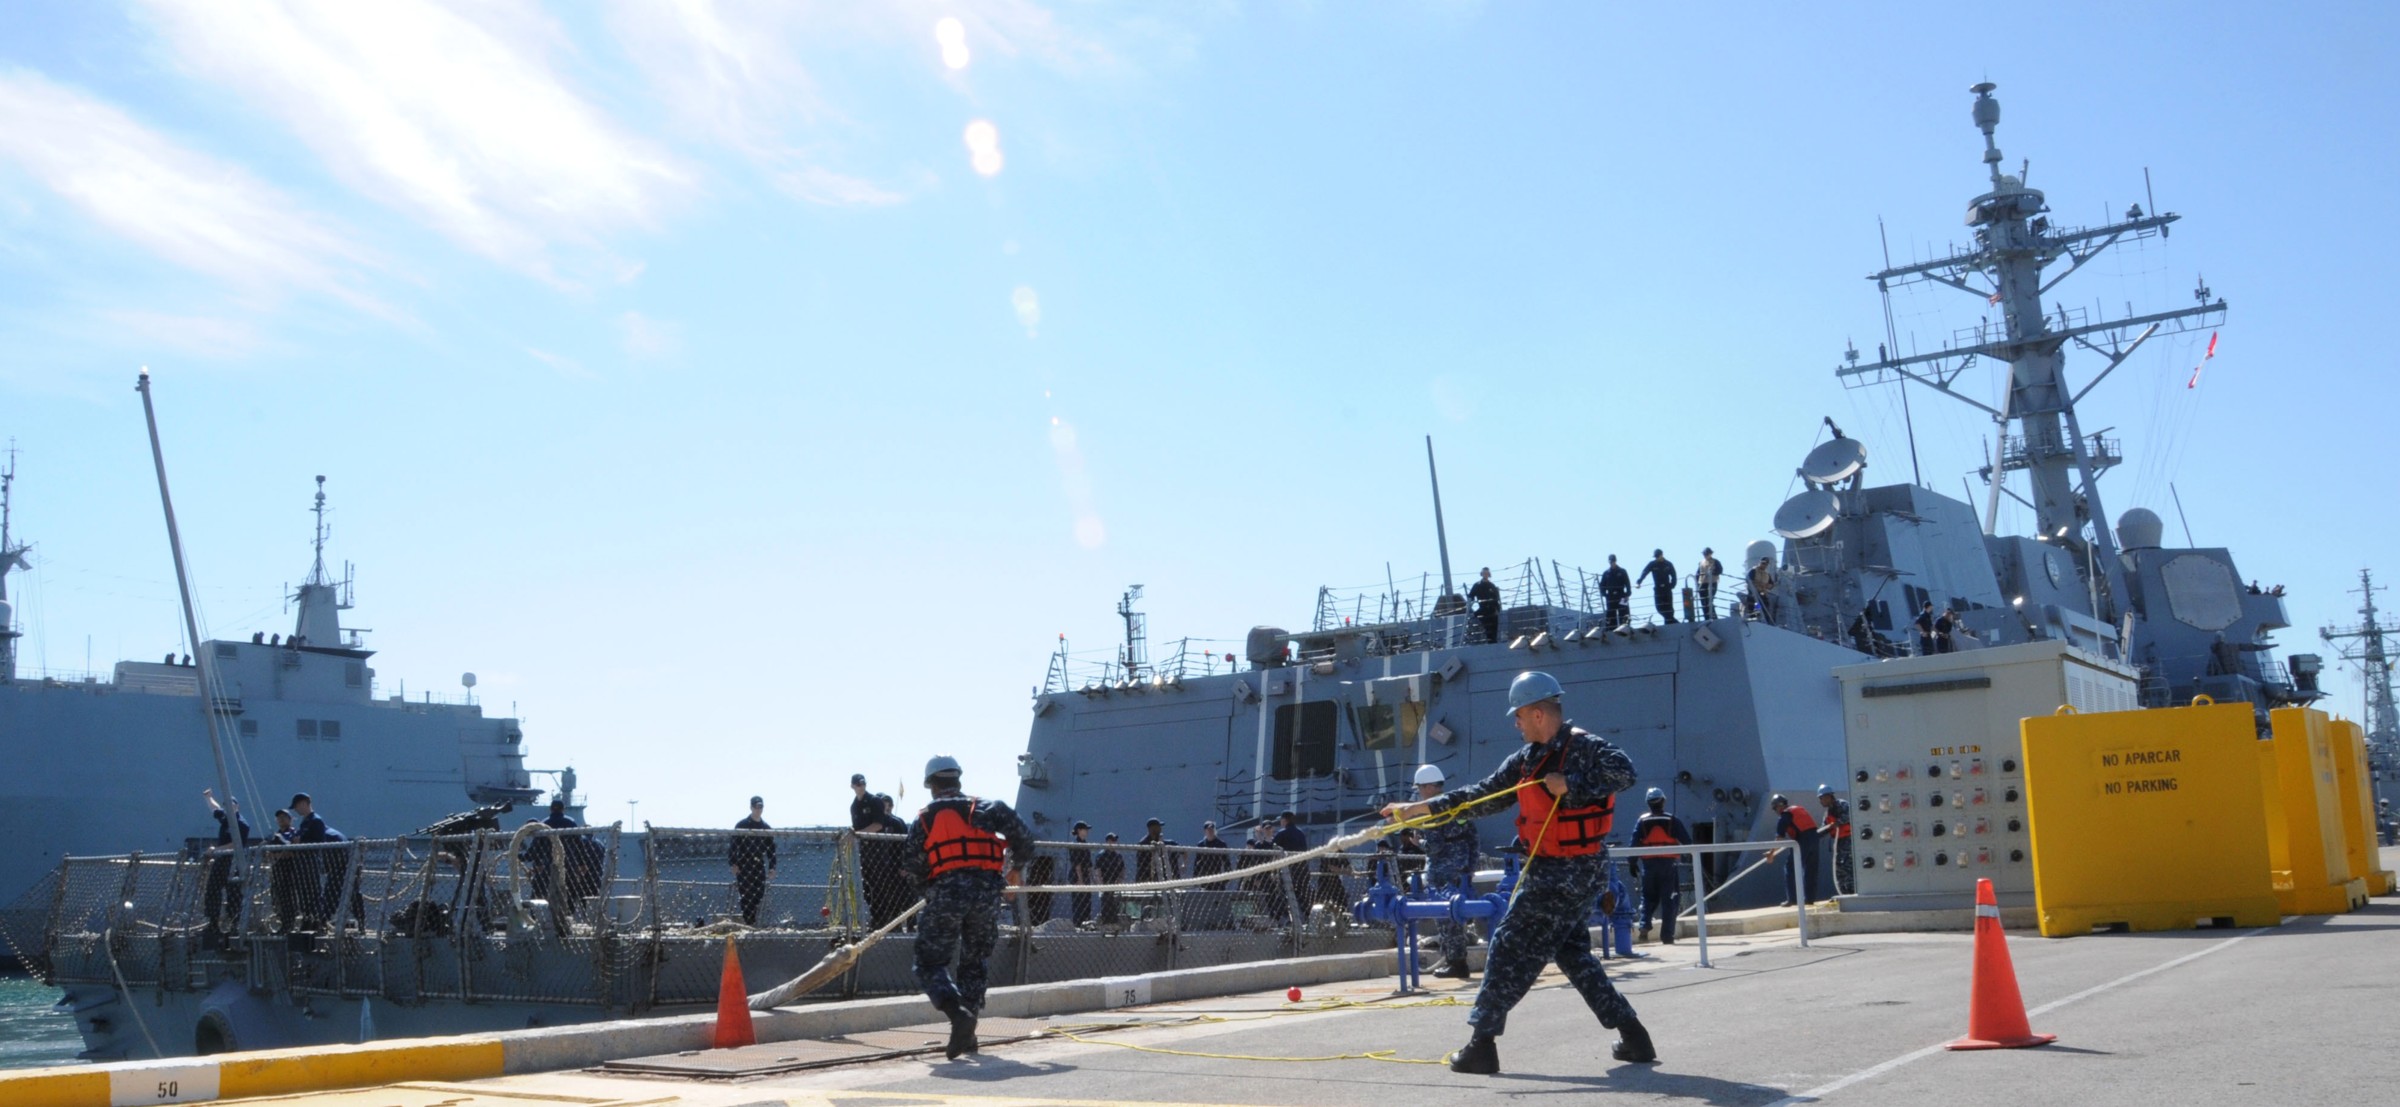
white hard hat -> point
(1429, 774)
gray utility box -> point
(1937, 775)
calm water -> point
(30, 1033)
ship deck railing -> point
(629, 922)
(1398, 617)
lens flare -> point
(1076, 482)
(1029, 309)
(983, 147)
(952, 34)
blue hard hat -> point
(1531, 688)
(1656, 794)
(1824, 789)
(943, 764)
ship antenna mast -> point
(191, 627)
(1137, 638)
(12, 558)
(1441, 536)
(2014, 243)
(2363, 645)
(316, 573)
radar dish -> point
(1835, 460)
(1807, 514)
(468, 679)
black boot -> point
(1635, 1048)
(1481, 1056)
(962, 1033)
(1455, 970)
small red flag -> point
(2204, 359)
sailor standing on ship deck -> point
(220, 908)
(752, 859)
(1487, 606)
(1615, 588)
(958, 847)
(1661, 575)
(1566, 780)
(1705, 575)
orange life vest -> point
(1802, 821)
(1567, 831)
(953, 841)
(1658, 832)
(1840, 826)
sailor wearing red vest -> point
(1565, 780)
(958, 848)
(1662, 890)
(1798, 825)
(1837, 823)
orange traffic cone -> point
(733, 1005)
(1995, 1012)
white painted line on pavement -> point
(1871, 1072)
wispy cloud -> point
(732, 70)
(648, 339)
(559, 363)
(190, 208)
(454, 116)
(819, 185)
(207, 336)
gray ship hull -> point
(1719, 715)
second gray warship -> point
(1734, 701)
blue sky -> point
(677, 369)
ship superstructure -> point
(1722, 709)
(114, 763)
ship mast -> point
(321, 600)
(12, 558)
(2363, 646)
(191, 627)
(2014, 244)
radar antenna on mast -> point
(2015, 241)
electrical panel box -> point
(1937, 781)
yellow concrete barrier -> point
(2147, 820)
(2358, 807)
(2309, 852)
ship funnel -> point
(2139, 529)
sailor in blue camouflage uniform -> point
(1450, 852)
(1565, 780)
(958, 848)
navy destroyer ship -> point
(113, 763)
(1735, 700)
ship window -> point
(1304, 739)
(249, 728)
(225, 650)
(330, 728)
(355, 674)
(306, 728)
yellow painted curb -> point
(286, 1072)
(54, 1088)
(240, 1076)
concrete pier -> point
(2294, 1012)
